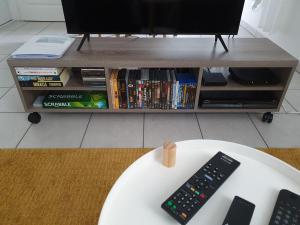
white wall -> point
(4, 12)
(279, 20)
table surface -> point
(137, 195)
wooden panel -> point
(169, 52)
(200, 75)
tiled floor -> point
(131, 130)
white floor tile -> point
(115, 130)
(11, 102)
(6, 79)
(10, 27)
(287, 107)
(31, 28)
(8, 47)
(2, 57)
(283, 132)
(236, 128)
(56, 28)
(25, 32)
(56, 131)
(293, 97)
(3, 91)
(3, 63)
(17, 39)
(12, 128)
(295, 82)
(175, 127)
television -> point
(206, 17)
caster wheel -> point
(34, 118)
(270, 119)
(267, 117)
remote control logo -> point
(227, 159)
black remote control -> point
(183, 204)
(240, 212)
(287, 209)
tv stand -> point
(218, 36)
(114, 53)
(85, 37)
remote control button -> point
(285, 221)
(188, 185)
(278, 217)
(203, 196)
(183, 216)
(208, 177)
(169, 203)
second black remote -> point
(184, 203)
(240, 212)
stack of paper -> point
(44, 47)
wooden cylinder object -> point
(169, 154)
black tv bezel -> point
(67, 20)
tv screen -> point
(153, 16)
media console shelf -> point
(198, 53)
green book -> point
(76, 100)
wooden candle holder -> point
(169, 154)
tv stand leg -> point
(218, 36)
(85, 37)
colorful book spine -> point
(122, 89)
(115, 88)
(41, 84)
(39, 78)
(130, 92)
(32, 71)
(45, 81)
(76, 100)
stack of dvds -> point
(153, 89)
(93, 77)
(42, 77)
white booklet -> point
(44, 47)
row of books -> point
(42, 77)
(153, 88)
(72, 100)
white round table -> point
(136, 197)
